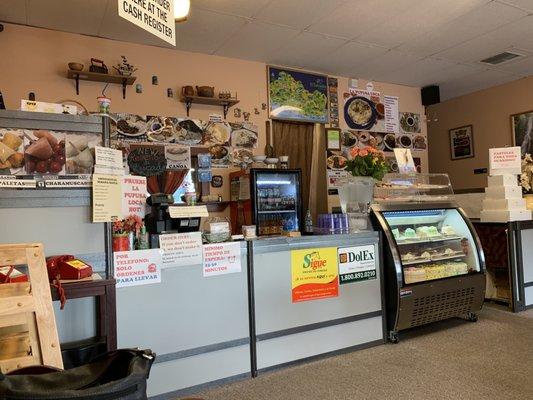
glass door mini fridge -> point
(434, 262)
(276, 200)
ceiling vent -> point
(501, 58)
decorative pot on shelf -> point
(529, 201)
(121, 242)
(205, 91)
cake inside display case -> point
(433, 244)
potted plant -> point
(125, 232)
(120, 237)
(526, 180)
(366, 166)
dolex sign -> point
(357, 263)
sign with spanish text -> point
(154, 16)
(222, 258)
(134, 194)
(505, 160)
(357, 263)
(107, 198)
(314, 274)
(180, 249)
(138, 267)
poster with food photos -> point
(12, 151)
(244, 135)
(369, 110)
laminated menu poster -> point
(357, 263)
(180, 249)
(222, 258)
(314, 274)
(138, 267)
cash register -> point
(159, 220)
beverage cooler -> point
(276, 200)
(434, 263)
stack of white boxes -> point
(503, 200)
(503, 197)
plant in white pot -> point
(366, 166)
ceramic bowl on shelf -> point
(271, 160)
(75, 66)
(259, 158)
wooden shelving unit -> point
(98, 77)
(213, 101)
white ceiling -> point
(410, 42)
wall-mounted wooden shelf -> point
(213, 101)
(98, 77)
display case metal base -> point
(421, 304)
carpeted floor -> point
(490, 359)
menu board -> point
(107, 198)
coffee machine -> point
(159, 220)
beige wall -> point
(488, 111)
(36, 60)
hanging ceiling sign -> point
(154, 16)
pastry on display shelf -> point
(427, 231)
(426, 255)
(413, 275)
(396, 233)
(448, 230)
(410, 233)
(459, 268)
(409, 257)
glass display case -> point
(401, 188)
(434, 263)
(433, 244)
(276, 201)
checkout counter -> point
(211, 330)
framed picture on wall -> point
(462, 142)
(522, 128)
(297, 96)
(333, 139)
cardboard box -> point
(505, 216)
(502, 180)
(504, 204)
(503, 192)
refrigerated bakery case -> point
(276, 200)
(434, 263)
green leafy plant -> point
(367, 161)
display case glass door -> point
(433, 244)
(277, 201)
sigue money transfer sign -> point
(154, 16)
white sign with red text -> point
(181, 249)
(222, 258)
(138, 267)
(134, 194)
(505, 160)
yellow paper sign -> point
(107, 198)
(314, 274)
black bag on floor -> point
(119, 374)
